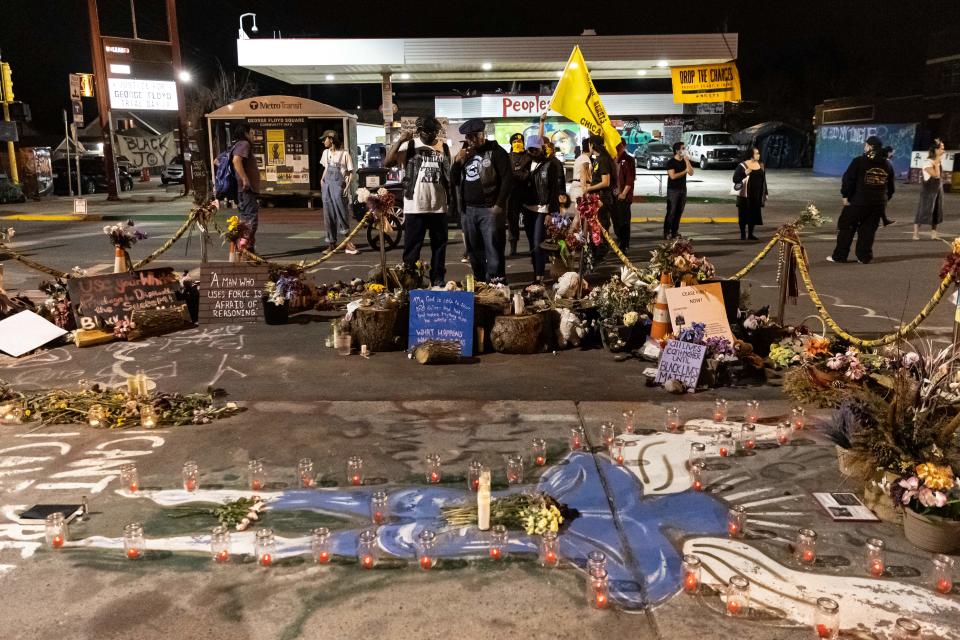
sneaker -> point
(351, 250)
(916, 236)
(832, 259)
(934, 235)
(465, 259)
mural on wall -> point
(837, 145)
(563, 133)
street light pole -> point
(174, 34)
(103, 98)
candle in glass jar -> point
(876, 560)
(753, 411)
(96, 415)
(806, 546)
(256, 474)
(367, 549)
(549, 549)
(738, 596)
(265, 547)
(698, 453)
(305, 473)
(736, 519)
(783, 432)
(696, 476)
(672, 419)
(55, 530)
(576, 439)
(148, 416)
(426, 549)
(827, 619)
(607, 433)
(726, 445)
(798, 418)
(539, 451)
(943, 573)
(629, 421)
(355, 471)
(320, 545)
(220, 544)
(691, 574)
(433, 468)
(906, 629)
(473, 475)
(598, 590)
(720, 410)
(616, 450)
(515, 469)
(498, 541)
(190, 476)
(483, 501)
(130, 477)
(748, 436)
(378, 507)
(133, 542)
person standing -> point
(482, 177)
(750, 182)
(602, 178)
(930, 208)
(334, 187)
(678, 168)
(581, 172)
(425, 159)
(866, 186)
(248, 182)
(541, 199)
(626, 176)
(520, 163)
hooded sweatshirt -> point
(868, 181)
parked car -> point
(173, 172)
(711, 149)
(93, 176)
(653, 155)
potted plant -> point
(622, 303)
(930, 497)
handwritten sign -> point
(231, 292)
(699, 303)
(681, 361)
(104, 300)
(442, 315)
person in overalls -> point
(334, 187)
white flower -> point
(630, 318)
(362, 194)
(381, 192)
(910, 359)
(751, 323)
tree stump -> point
(437, 352)
(517, 334)
(374, 327)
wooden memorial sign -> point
(231, 292)
(104, 300)
(442, 315)
(681, 361)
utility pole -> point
(173, 32)
(103, 98)
(6, 84)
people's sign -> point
(102, 301)
(706, 83)
(145, 153)
(232, 292)
(442, 315)
(681, 361)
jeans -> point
(621, 222)
(863, 221)
(248, 210)
(334, 204)
(485, 235)
(533, 224)
(415, 228)
(676, 201)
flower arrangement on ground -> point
(930, 489)
(534, 513)
(283, 286)
(237, 514)
(677, 258)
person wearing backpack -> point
(247, 173)
(426, 162)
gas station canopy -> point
(346, 61)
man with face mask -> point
(482, 177)
(520, 163)
(426, 192)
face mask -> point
(517, 146)
(548, 151)
(429, 137)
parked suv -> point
(711, 149)
(92, 174)
(173, 172)
(653, 155)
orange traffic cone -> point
(661, 316)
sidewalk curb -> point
(92, 217)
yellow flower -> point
(956, 245)
(375, 288)
(680, 263)
(934, 476)
(232, 223)
(26, 412)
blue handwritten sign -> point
(442, 315)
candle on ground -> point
(57, 542)
(809, 555)
(367, 562)
(222, 555)
(540, 460)
(551, 557)
(690, 582)
(426, 562)
(876, 568)
(496, 553)
(823, 631)
(944, 585)
(733, 606)
(256, 485)
(266, 560)
(355, 480)
(133, 554)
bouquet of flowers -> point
(56, 306)
(534, 513)
(677, 258)
(124, 236)
(615, 299)
(588, 205)
(379, 202)
(284, 287)
(951, 263)
(237, 232)
(810, 217)
(931, 489)
(237, 514)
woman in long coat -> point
(930, 209)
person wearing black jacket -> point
(867, 185)
(482, 177)
(541, 198)
(520, 162)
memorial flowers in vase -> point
(124, 236)
(677, 258)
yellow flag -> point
(577, 99)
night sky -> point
(792, 54)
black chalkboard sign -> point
(232, 292)
(102, 301)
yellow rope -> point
(760, 256)
(883, 340)
(27, 262)
(617, 251)
(191, 218)
(323, 258)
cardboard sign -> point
(26, 331)
(231, 292)
(681, 361)
(442, 315)
(706, 83)
(699, 303)
(102, 301)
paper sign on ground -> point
(699, 303)
(681, 361)
(845, 507)
(26, 331)
(442, 315)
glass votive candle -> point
(598, 590)
(130, 478)
(906, 629)
(726, 446)
(220, 544)
(698, 453)
(378, 507)
(95, 415)
(798, 417)
(720, 410)
(320, 545)
(256, 475)
(736, 520)
(672, 419)
(473, 475)
(305, 473)
(753, 411)
(55, 530)
(748, 436)
(355, 471)
(629, 421)
(426, 549)
(549, 549)
(690, 569)
(539, 451)
(367, 550)
(596, 563)
(826, 619)
(738, 596)
(133, 540)
(433, 468)
(498, 541)
(942, 573)
(806, 546)
(343, 343)
(696, 476)
(616, 451)
(607, 433)
(148, 416)
(783, 432)
(191, 476)
(576, 439)
(876, 561)
(265, 547)
(515, 469)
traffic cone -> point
(661, 315)
(233, 256)
(119, 260)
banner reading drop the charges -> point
(706, 83)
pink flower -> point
(931, 498)
(836, 362)
(912, 485)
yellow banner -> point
(577, 99)
(706, 83)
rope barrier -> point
(27, 262)
(618, 252)
(760, 256)
(309, 265)
(199, 213)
